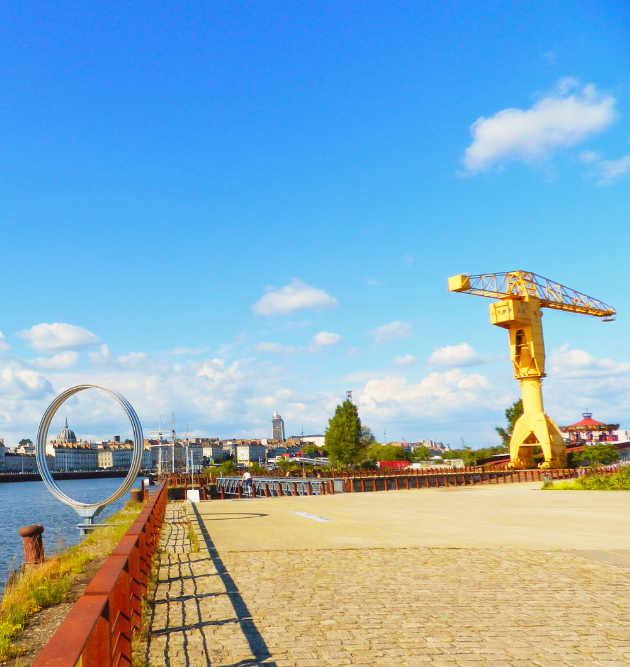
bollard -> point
(279, 488)
(222, 493)
(239, 491)
(295, 489)
(310, 490)
(136, 495)
(253, 490)
(33, 544)
(266, 489)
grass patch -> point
(619, 481)
(45, 585)
(192, 536)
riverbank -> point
(30, 503)
(36, 588)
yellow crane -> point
(522, 296)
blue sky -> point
(165, 166)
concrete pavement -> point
(513, 515)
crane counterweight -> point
(522, 296)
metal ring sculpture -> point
(40, 450)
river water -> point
(26, 503)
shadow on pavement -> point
(257, 644)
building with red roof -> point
(590, 430)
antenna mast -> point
(173, 445)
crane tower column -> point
(521, 316)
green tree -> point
(228, 468)
(600, 454)
(512, 415)
(344, 440)
(368, 439)
(286, 466)
(313, 450)
(25, 442)
(421, 454)
(471, 456)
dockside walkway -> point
(501, 576)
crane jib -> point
(524, 284)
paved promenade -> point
(495, 576)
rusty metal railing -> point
(98, 630)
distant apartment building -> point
(317, 440)
(68, 454)
(435, 447)
(277, 427)
(212, 451)
(14, 462)
(247, 453)
(2, 454)
(119, 456)
(77, 457)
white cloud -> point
(393, 331)
(324, 339)
(587, 157)
(58, 337)
(371, 282)
(4, 346)
(319, 341)
(609, 170)
(403, 361)
(104, 357)
(606, 170)
(563, 118)
(58, 362)
(177, 351)
(277, 348)
(578, 364)
(458, 355)
(440, 396)
(291, 298)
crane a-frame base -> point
(536, 429)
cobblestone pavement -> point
(407, 606)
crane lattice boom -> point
(518, 284)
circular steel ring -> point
(42, 434)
